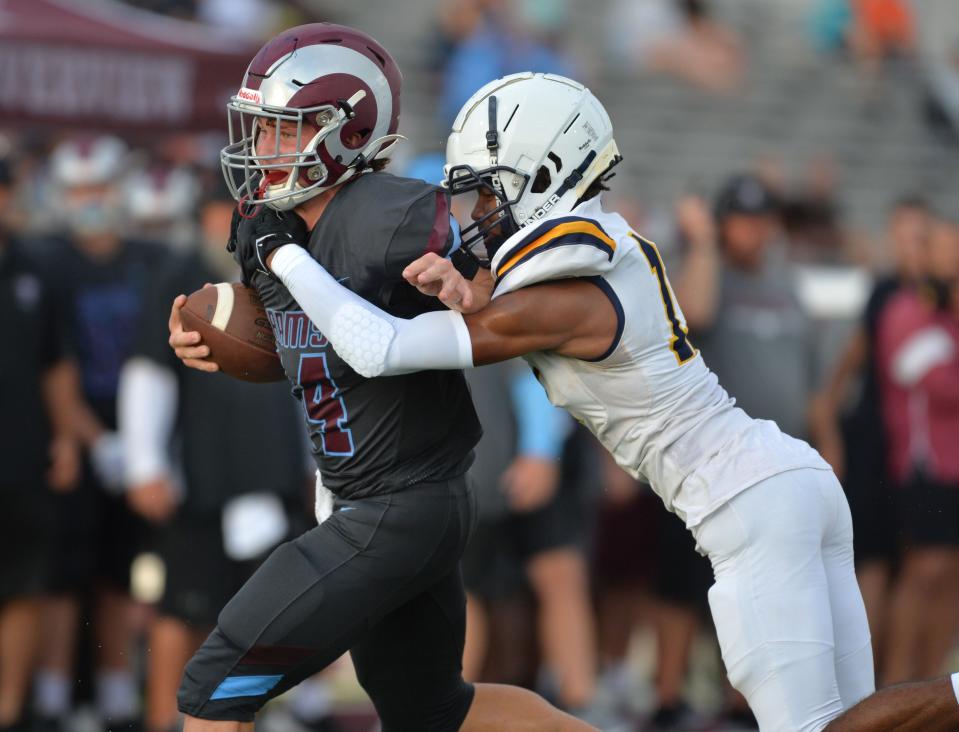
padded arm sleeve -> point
(146, 409)
(371, 341)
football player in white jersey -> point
(585, 299)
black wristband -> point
(268, 244)
(466, 263)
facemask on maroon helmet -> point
(332, 88)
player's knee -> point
(433, 708)
(546, 717)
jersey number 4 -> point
(324, 405)
(679, 341)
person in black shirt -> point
(380, 577)
(241, 454)
(853, 439)
(39, 453)
(102, 280)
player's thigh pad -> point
(855, 669)
(771, 600)
(426, 635)
(315, 597)
(264, 642)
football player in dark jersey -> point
(549, 308)
(310, 131)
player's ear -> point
(354, 139)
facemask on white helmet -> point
(535, 141)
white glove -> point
(109, 465)
(323, 507)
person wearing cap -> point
(740, 300)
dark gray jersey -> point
(373, 436)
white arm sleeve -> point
(371, 341)
(146, 410)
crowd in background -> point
(115, 563)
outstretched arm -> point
(572, 317)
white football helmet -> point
(537, 140)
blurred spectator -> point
(241, 473)
(938, 45)
(811, 218)
(624, 565)
(496, 45)
(737, 292)
(254, 19)
(679, 589)
(103, 280)
(872, 31)
(455, 22)
(677, 38)
(851, 435)
(534, 516)
(918, 350)
(881, 28)
(39, 453)
(648, 572)
(828, 24)
(183, 9)
(159, 205)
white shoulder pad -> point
(557, 248)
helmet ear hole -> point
(542, 180)
(556, 161)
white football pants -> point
(790, 619)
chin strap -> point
(375, 150)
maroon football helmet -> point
(332, 81)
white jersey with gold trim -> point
(650, 400)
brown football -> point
(232, 321)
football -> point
(232, 321)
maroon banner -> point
(101, 65)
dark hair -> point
(595, 188)
(377, 165)
(599, 182)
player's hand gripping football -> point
(187, 344)
(437, 277)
